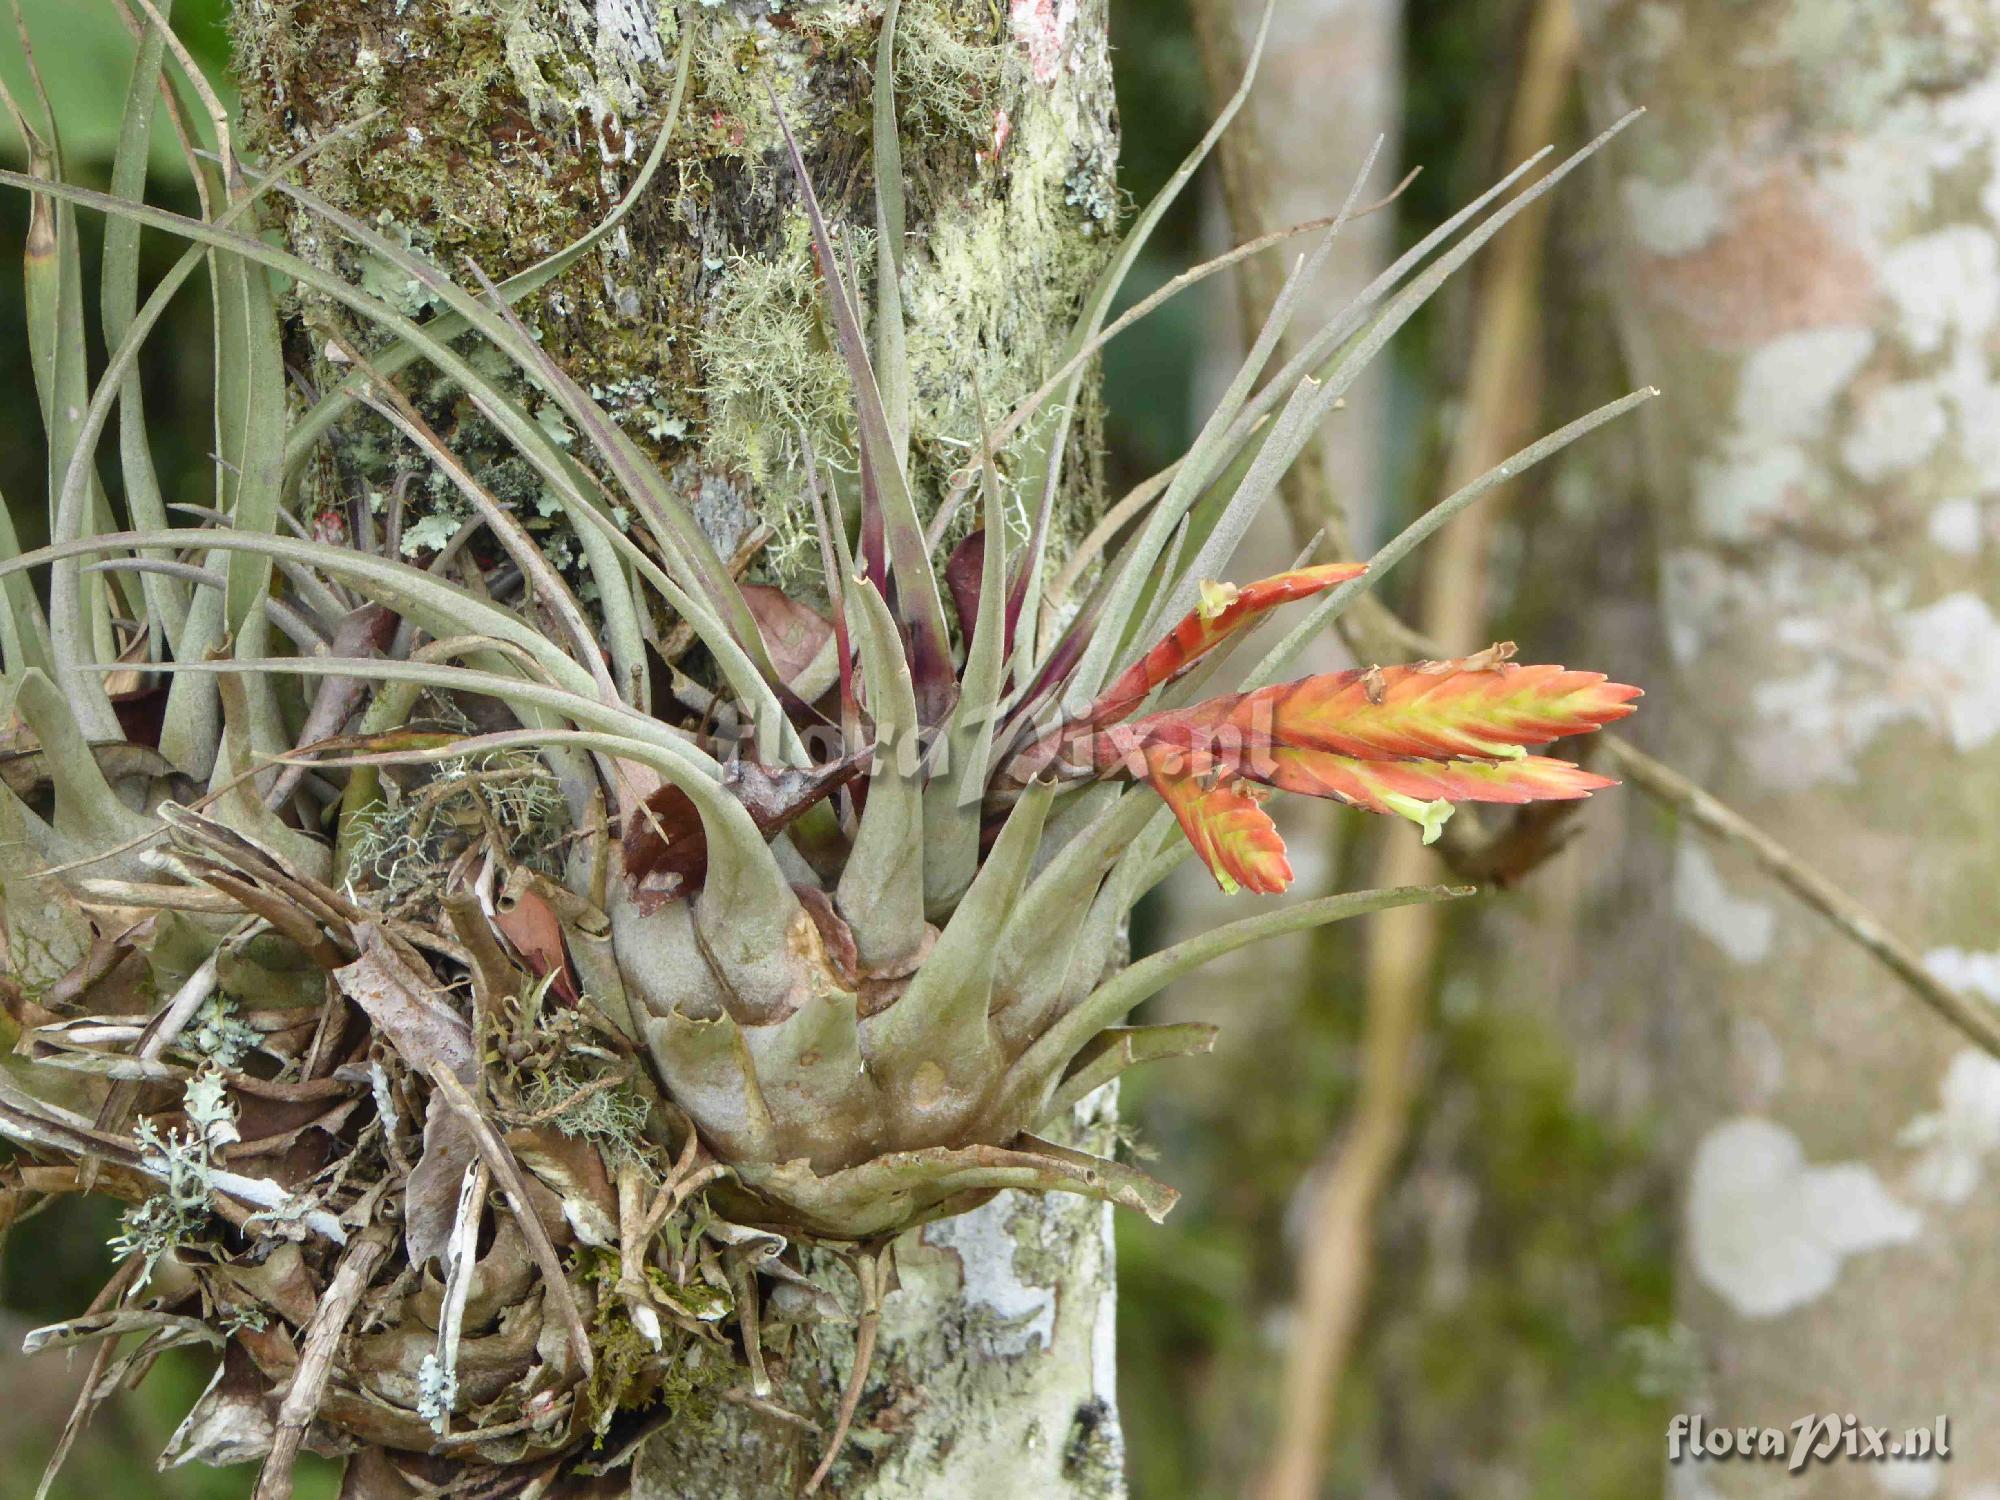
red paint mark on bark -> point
(1043, 27)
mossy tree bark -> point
(509, 128)
(1810, 262)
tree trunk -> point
(510, 128)
(995, 1377)
(1811, 266)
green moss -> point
(950, 68)
(740, 60)
(631, 1374)
(613, 1120)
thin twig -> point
(322, 1342)
(771, 1409)
(1667, 785)
(867, 1268)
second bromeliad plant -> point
(850, 964)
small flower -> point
(1429, 816)
(1215, 597)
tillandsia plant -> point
(480, 1019)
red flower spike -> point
(1434, 710)
(1223, 611)
(1364, 783)
(1230, 831)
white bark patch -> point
(1785, 394)
(1957, 526)
(1811, 726)
(1674, 218)
(1659, 30)
(1757, 1061)
(1956, 1137)
(985, 1245)
(1104, 1327)
(1884, 178)
(1740, 927)
(1909, 1478)
(1967, 970)
(1739, 495)
(1968, 385)
(1896, 428)
(1694, 586)
(1976, 113)
(1767, 1232)
(1945, 282)
(1042, 26)
(630, 26)
(1787, 388)
(1688, 1482)
(1955, 645)
(1938, 667)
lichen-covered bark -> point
(995, 1376)
(1811, 267)
(508, 129)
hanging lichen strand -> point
(409, 971)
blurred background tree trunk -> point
(1329, 86)
(510, 130)
(1808, 262)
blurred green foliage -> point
(1524, 1240)
(84, 55)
